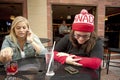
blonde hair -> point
(14, 23)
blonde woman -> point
(21, 42)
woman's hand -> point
(71, 60)
(29, 36)
(6, 54)
(62, 54)
(30, 40)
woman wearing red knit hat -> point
(81, 47)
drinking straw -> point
(52, 55)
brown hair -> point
(88, 45)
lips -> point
(21, 34)
(81, 42)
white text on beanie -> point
(83, 22)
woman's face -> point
(82, 37)
(21, 30)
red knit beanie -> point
(83, 22)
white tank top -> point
(22, 54)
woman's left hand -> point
(29, 36)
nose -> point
(21, 29)
(81, 38)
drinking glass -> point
(11, 68)
(49, 63)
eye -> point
(24, 27)
(85, 36)
(18, 27)
(77, 36)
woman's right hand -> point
(6, 55)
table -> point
(45, 40)
(34, 66)
(60, 73)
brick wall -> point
(100, 5)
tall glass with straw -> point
(50, 61)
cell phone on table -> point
(71, 70)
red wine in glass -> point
(12, 68)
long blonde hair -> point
(14, 23)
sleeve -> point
(93, 63)
(43, 49)
(61, 59)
